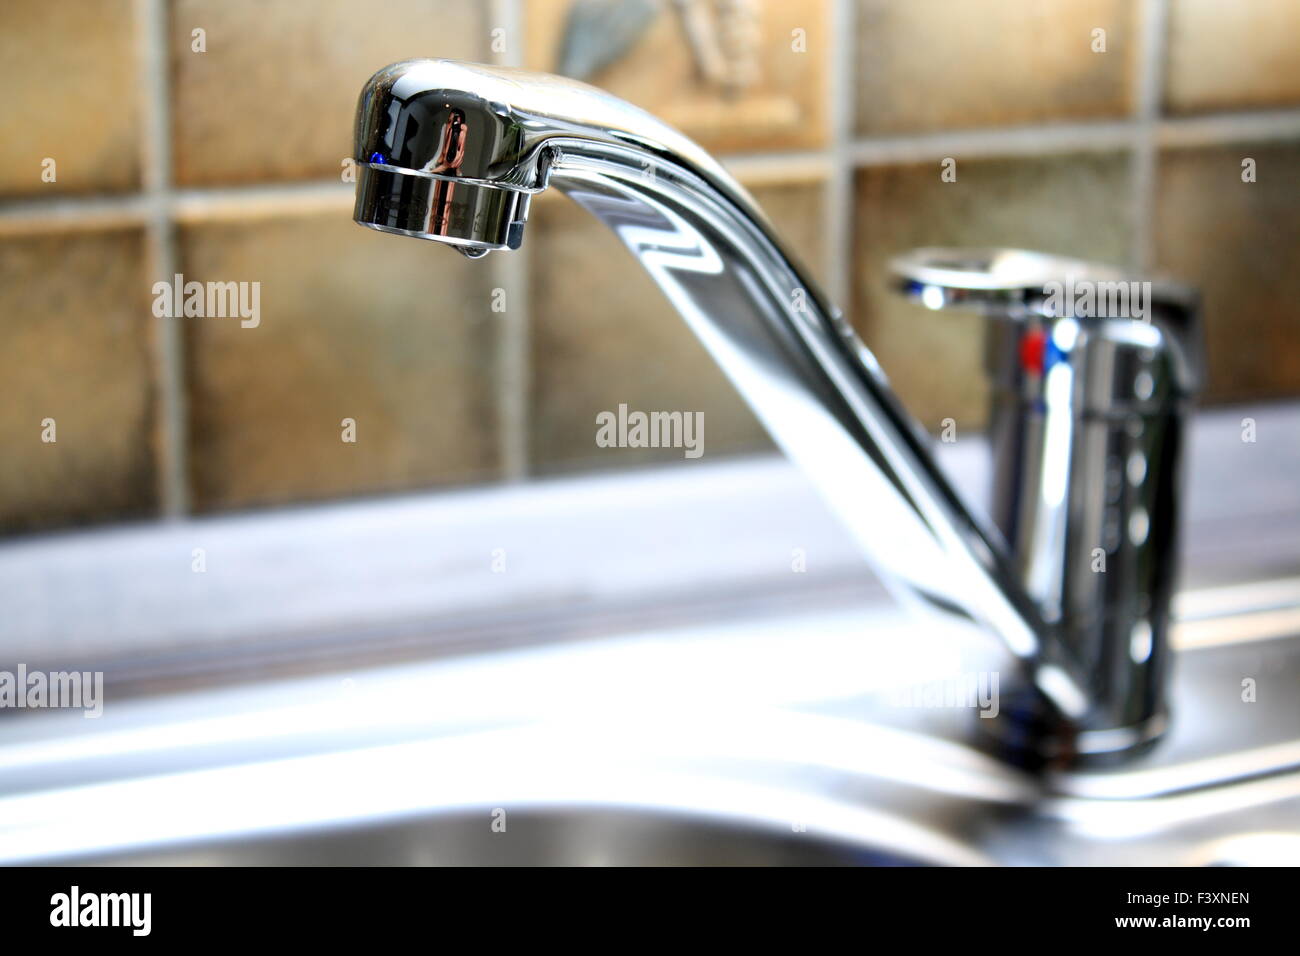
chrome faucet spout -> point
(453, 152)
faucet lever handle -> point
(1092, 375)
(1035, 289)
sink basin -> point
(759, 742)
(550, 837)
(752, 787)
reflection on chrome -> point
(783, 345)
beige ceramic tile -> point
(1240, 243)
(274, 96)
(1073, 205)
(1239, 55)
(74, 319)
(68, 71)
(390, 332)
(928, 65)
(754, 79)
(604, 335)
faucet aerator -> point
(474, 218)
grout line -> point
(777, 168)
(99, 210)
(197, 204)
(74, 212)
(510, 272)
(1006, 141)
(234, 202)
(1221, 129)
(162, 259)
(838, 192)
(1153, 16)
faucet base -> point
(1027, 734)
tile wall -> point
(208, 138)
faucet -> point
(453, 152)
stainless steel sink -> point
(555, 837)
(668, 747)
